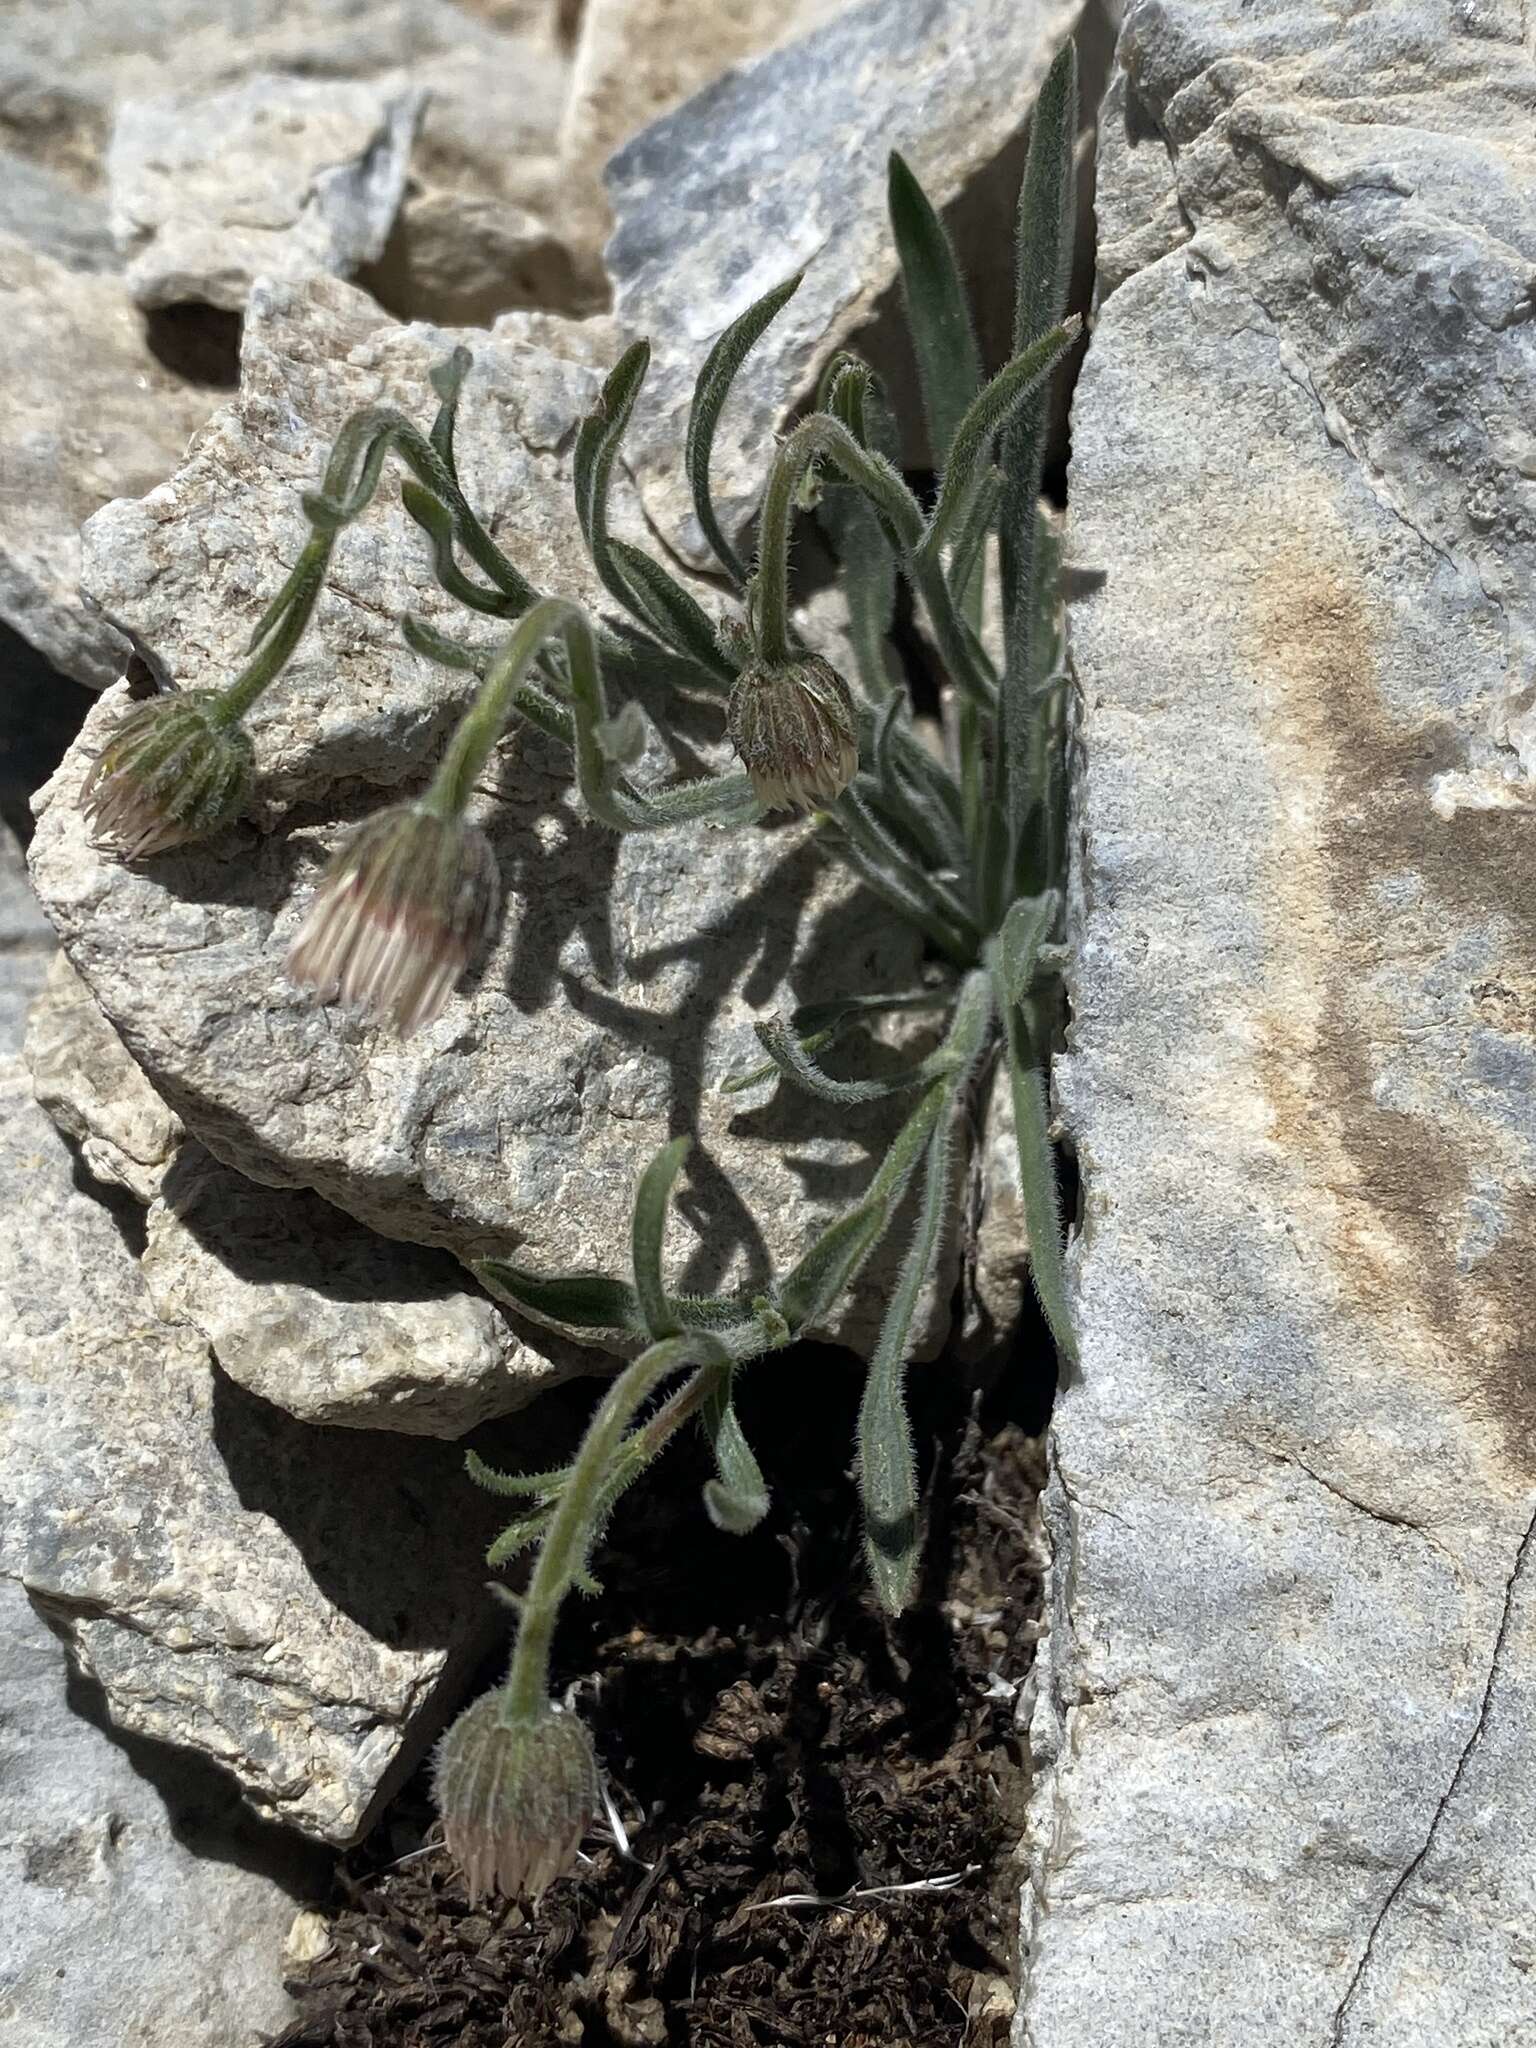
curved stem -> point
(483, 724)
(564, 1547)
(816, 438)
(283, 628)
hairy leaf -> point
(938, 316)
(709, 396)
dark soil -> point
(765, 1734)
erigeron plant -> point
(964, 838)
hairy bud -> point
(795, 730)
(516, 1795)
(401, 911)
(168, 774)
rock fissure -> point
(1416, 1861)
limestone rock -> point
(274, 177)
(779, 167)
(635, 60)
(26, 942)
(288, 1601)
(628, 973)
(95, 1092)
(89, 414)
(1285, 1735)
(496, 80)
(329, 1321)
(41, 208)
(127, 1913)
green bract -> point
(957, 823)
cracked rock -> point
(802, 137)
(624, 984)
(136, 1905)
(274, 177)
(1285, 1732)
(93, 1089)
(333, 1323)
(287, 1601)
(89, 414)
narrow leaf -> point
(1025, 930)
(436, 522)
(970, 453)
(709, 396)
(647, 1230)
(887, 1468)
(514, 1483)
(1046, 223)
(1037, 1182)
(811, 1286)
(584, 1301)
(789, 1056)
(597, 448)
(447, 380)
(673, 614)
(938, 316)
(738, 1500)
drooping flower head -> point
(172, 771)
(400, 912)
(794, 728)
(516, 1795)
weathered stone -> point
(625, 982)
(275, 177)
(495, 86)
(40, 208)
(90, 414)
(1285, 1735)
(26, 942)
(95, 1092)
(128, 1912)
(329, 1321)
(288, 1601)
(637, 59)
(779, 167)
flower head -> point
(794, 727)
(171, 771)
(516, 1795)
(401, 911)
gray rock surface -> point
(331, 1322)
(275, 177)
(126, 1915)
(635, 60)
(88, 413)
(38, 206)
(781, 166)
(93, 1089)
(627, 975)
(26, 942)
(288, 1601)
(1286, 1728)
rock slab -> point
(275, 177)
(113, 1928)
(1285, 1734)
(290, 1602)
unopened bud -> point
(516, 1795)
(402, 909)
(795, 730)
(168, 774)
